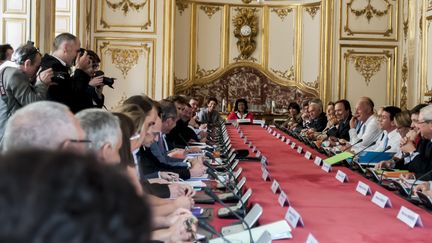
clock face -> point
(245, 30)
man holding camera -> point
(69, 89)
(16, 82)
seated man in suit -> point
(317, 118)
(363, 125)
(390, 138)
(181, 134)
(343, 115)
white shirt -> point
(393, 139)
(369, 132)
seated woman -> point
(209, 115)
(294, 119)
(240, 111)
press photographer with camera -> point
(21, 83)
(98, 81)
(69, 89)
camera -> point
(59, 77)
(106, 80)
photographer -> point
(96, 84)
(16, 82)
(70, 90)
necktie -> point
(358, 127)
(386, 139)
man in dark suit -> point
(69, 89)
(16, 88)
(343, 114)
(318, 119)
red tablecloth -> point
(331, 211)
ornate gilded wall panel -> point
(182, 46)
(368, 71)
(282, 42)
(209, 40)
(310, 47)
(125, 16)
(132, 62)
(367, 19)
(427, 80)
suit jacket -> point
(420, 164)
(150, 164)
(341, 130)
(71, 91)
(319, 123)
(158, 150)
(17, 92)
(180, 135)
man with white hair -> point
(43, 125)
(103, 129)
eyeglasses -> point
(79, 140)
(135, 137)
(421, 122)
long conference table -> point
(331, 211)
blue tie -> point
(386, 139)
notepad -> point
(368, 157)
(338, 158)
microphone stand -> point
(421, 177)
(210, 193)
(212, 230)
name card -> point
(409, 217)
(258, 154)
(245, 140)
(317, 161)
(264, 160)
(266, 237)
(269, 130)
(293, 145)
(308, 155)
(341, 176)
(363, 188)
(275, 187)
(263, 167)
(299, 149)
(250, 144)
(241, 135)
(262, 124)
(265, 175)
(326, 167)
(311, 239)
(381, 200)
(293, 218)
(278, 136)
(283, 138)
(288, 141)
(254, 149)
(283, 199)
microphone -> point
(203, 224)
(421, 177)
(358, 141)
(363, 149)
(210, 193)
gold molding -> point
(370, 11)
(247, 1)
(246, 44)
(282, 12)
(181, 5)
(405, 29)
(367, 66)
(390, 52)
(404, 88)
(350, 34)
(200, 72)
(125, 5)
(313, 84)
(288, 74)
(312, 11)
(209, 10)
(139, 28)
(125, 59)
(137, 43)
(178, 81)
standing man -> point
(70, 89)
(16, 89)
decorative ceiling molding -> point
(210, 10)
(370, 11)
(182, 5)
(125, 5)
(282, 12)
